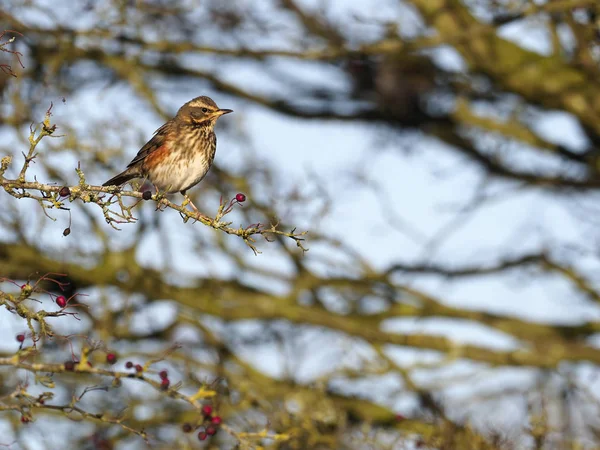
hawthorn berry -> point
(139, 368)
(69, 366)
(216, 420)
(164, 384)
(67, 231)
(61, 301)
(239, 197)
(163, 374)
(202, 435)
(20, 338)
(207, 410)
(111, 358)
(64, 191)
(25, 419)
(147, 195)
(186, 427)
(128, 365)
(211, 431)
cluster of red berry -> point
(210, 425)
(163, 374)
(210, 422)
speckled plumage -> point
(181, 152)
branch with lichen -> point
(111, 199)
(31, 359)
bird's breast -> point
(187, 162)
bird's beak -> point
(221, 112)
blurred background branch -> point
(442, 154)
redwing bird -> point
(181, 151)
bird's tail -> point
(122, 178)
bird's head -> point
(201, 111)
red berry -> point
(61, 301)
(20, 337)
(202, 436)
(128, 365)
(139, 368)
(69, 366)
(240, 197)
(211, 431)
(164, 384)
(64, 192)
(111, 358)
(207, 410)
(400, 417)
(217, 420)
(186, 427)
(25, 419)
(163, 374)
(147, 195)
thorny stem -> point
(48, 197)
(21, 401)
(45, 373)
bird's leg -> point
(187, 201)
(194, 206)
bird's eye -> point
(204, 110)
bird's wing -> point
(159, 138)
